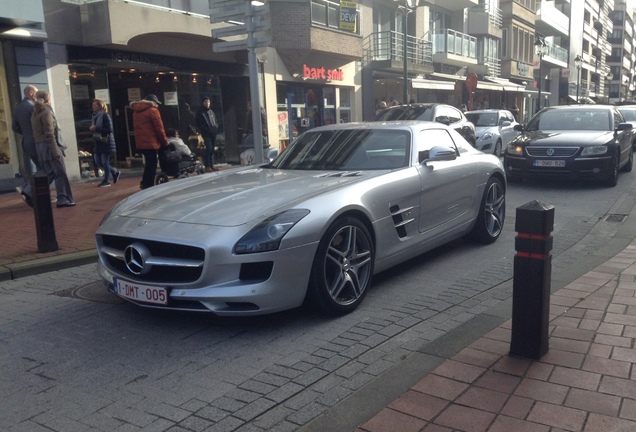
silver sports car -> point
(341, 203)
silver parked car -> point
(494, 129)
(341, 203)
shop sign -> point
(103, 94)
(170, 98)
(80, 92)
(134, 94)
(283, 126)
(322, 73)
(348, 15)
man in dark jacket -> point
(208, 127)
(22, 125)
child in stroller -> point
(176, 160)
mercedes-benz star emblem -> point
(135, 256)
(550, 152)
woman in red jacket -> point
(150, 135)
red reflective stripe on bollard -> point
(533, 236)
(532, 255)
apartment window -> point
(504, 43)
(617, 34)
(327, 13)
(528, 4)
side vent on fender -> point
(401, 217)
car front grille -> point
(547, 151)
(169, 262)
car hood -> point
(480, 130)
(565, 138)
(233, 197)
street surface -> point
(72, 364)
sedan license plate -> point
(141, 293)
(549, 163)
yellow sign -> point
(348, 15)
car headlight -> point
(514, 149)
(594, 150)
(487, 135)
(267, 235)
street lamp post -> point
(608, 79)
(406, 8)
(540, 49)
(578, 61)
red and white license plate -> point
(140, 292)
(550, 163)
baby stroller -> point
(173, 165)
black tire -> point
(492, 213)
(630, 162)
(342, 269)
(497, 151)
(161, 178)
(612, 179)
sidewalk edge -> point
(43, 265)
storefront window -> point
(345, 105)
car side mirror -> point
(506, 123)
(519, 127)
(441, 153)
(624, 126)
(443, 119)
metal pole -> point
(578, 83)
(254, 81)
(539, 96)
(406, 76)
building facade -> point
(318, 68)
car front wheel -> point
(342, 268)
(492, 213)
(612, 179)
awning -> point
(447, 76)
(420, 83)
(482, 85)
(506, 84)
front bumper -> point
(575, 168)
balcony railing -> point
(494, 65)
(494, 14)
(557, 52)
(389, 45)
(453, 42)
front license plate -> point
(549, 163)
(141, 293)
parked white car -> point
(494, 129)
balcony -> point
(454, 48)
(484, 21)
(556, 55)
(453, 5)
(385, 51)
(551, 21)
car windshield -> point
(629, 114)
(571, 119)
(405, 113)
(483, 119)
(346, 150)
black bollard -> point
(531, 285)
(44, 225)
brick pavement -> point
(586, 381)
(74, 226)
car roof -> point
(580, 107)
(389, 125)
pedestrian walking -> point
(150, 135)
(22, 125)
(208, 128)
(50, 148)
(102, 128)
